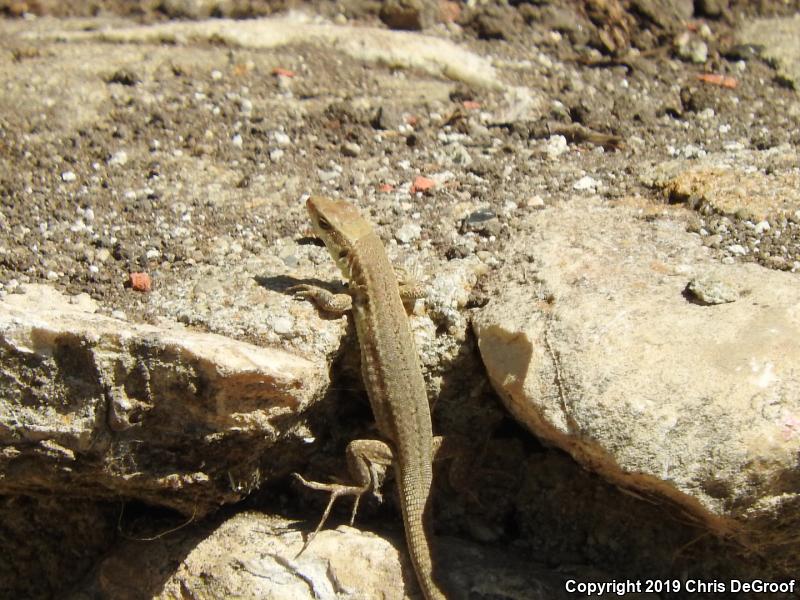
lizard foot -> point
(336, 490)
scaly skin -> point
(391, 371)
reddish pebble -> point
(449, 12)
(422, 184)
(412, 120)
(281, 72)
(385, 188)
(471, 104)
(141, 282)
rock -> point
(389, 117)
(351, 149)
(719, 180)
(483, 222)
(586, 184)
(189, 9)
(407, 233)
(495, 22)
(254, 555)
(711, 8)
(606, 358)
(555, 146)
(432, 55)
(780, 41)
(107, 409)
(690, 48)
(118, 159)
(709, 291)
(411, 15)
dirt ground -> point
(181, 158)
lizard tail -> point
(416, 506)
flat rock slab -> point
(93, 406)
(780, 39)
(686, 393)
(397, 49)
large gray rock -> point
(597, 345)
(96, 407)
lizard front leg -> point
(360, 453)
(328, 301)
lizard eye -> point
(342, 254)
(324, 224)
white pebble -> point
(283, 325)
(52, 276)
(118, 158)
(281, 138)
(761, 227)
(586, 183)
(737, 249)
(216, 75)
(237, 141)
(68, 176)
(276, 154)
(327, 175)
(556, 146)
(408, 232)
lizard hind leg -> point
(360, 453)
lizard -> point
(391, 372)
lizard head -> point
(339, 225)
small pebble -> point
(281, 138)
(68, 176)
(325, 176)
(118, 158)
(535, 202)
(556, 146)
(283, 325)
(407, 233)
(140, 282)
(351, 149)
(586, 183)
(237, 141)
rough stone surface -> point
(781, 41)
(92, 406)
(253, 555)
(696, 404)
(397, 49)
(771, 184)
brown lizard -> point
(391, 372)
